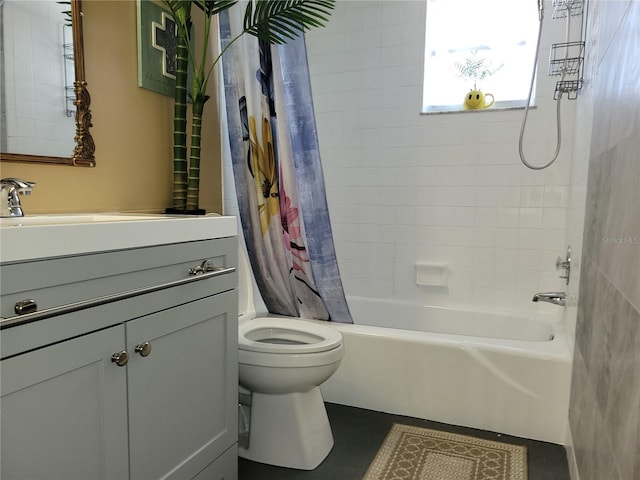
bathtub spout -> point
(557, 298)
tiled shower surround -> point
(605, 395)
(405, 188)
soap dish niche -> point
(432, 274)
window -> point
(498, 36)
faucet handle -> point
(23, 186)
(10, 189)
(565, 265)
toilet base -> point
(289, 430)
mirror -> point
(75, 97)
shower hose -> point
(558, 102)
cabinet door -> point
(183, 395)
(64, 412)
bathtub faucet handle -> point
(565, 265)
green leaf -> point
(474, 68)
(278, 21)
(214, 7)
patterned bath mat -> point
(413, 453)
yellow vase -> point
(475, 100)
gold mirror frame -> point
(84, 151)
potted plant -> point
(273, 21)
(476, 68)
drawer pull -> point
(94, 302)
(205, 266)
(144, 349)
(120, 358)
(26, 306)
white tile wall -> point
(35, 107)
(406, 188)
(577, 190)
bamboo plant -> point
(274, 21)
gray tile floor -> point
(358, 434)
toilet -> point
(282, 363)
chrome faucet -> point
(10, 191)
(557, 298)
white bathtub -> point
(494, 371)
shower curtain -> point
(278, 175)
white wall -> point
(579, 169)
(405, 187)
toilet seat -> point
(282, 336)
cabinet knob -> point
(144, 349)
(25, 306)
(120, 358)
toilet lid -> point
(275, 335)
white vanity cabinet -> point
(128, 370)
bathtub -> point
(494, 371)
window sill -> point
(497, 106)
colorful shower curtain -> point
(278, 175)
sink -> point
(71, 219)
(44, 236)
